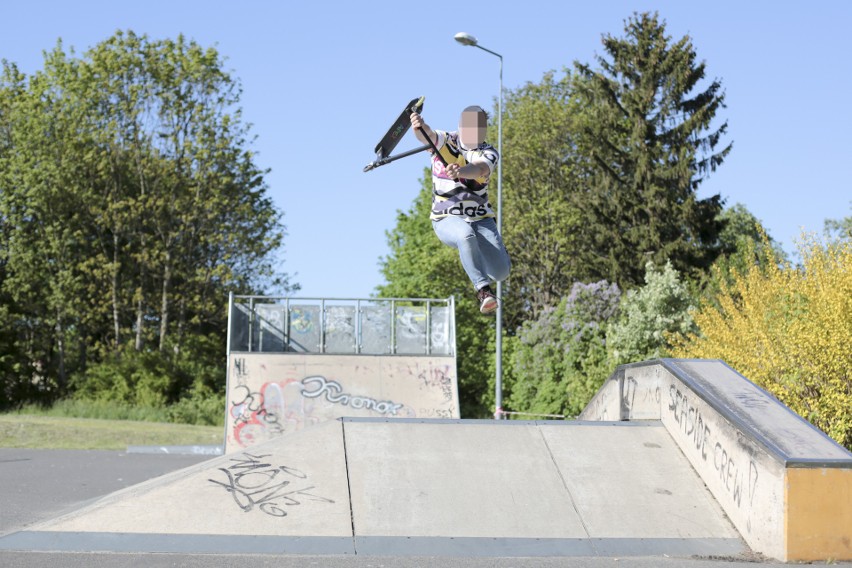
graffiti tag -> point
(253, 483)
(333, 392)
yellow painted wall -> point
(819, 514)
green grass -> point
(106, 410)
(209, 411)
(20, 430)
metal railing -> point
(368, 326)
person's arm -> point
(481, 167)
(421, 129)
(474, 170)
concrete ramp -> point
(378, 486)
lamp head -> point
(465, 38)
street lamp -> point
(467, 39)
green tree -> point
(744, 244)
(742, 231)
(541, 225)
(131, 204)
(41, 209)
(176, 152)
(649, 141)
(839, 229)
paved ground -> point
(41, 484)
(38, 485)
(70, 560)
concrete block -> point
(632, 393)
(743, 476)
(605, 406)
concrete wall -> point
(786, 486)
(744, 478)
(272, 394)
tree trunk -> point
(116, 321)
(60, 344)
(140, 304)
(140, 307)
(83, 355)
(140, 323)
(164, 309)
(181, 324)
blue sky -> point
(323, 80)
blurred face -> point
(472, 128)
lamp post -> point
(467, 39)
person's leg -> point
(459, 234)
(495, 258)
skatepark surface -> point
(693, 478)
(499, 489)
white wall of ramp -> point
(411, 487)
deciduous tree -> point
(131, 204)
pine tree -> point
(649, 142)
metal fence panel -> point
(239, 327)
(270, 332)
(398, 326)
(440, 333)
(340, 329)
(376, 329)
(305, 325)
(410, 326)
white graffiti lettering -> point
(333, 392)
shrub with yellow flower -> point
(789, 329)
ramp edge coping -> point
(492, 422)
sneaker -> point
(487, 300)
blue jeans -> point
(481, 250)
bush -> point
(130, 378)
(788, 329)
(201, 407)
(158, 385)
(558, 362)
(650, 316)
